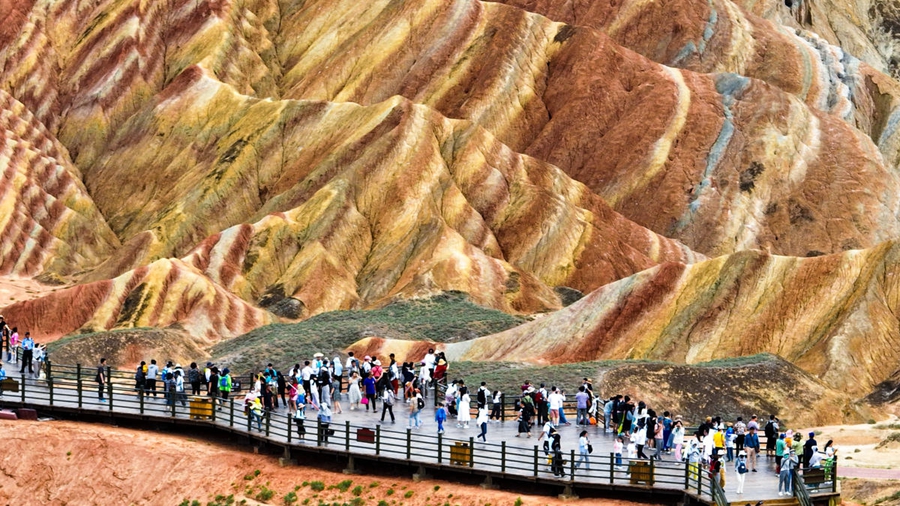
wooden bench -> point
(814, 478)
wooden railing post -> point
(289, 423)
(318, 432)
(572, 465)
(687, 476)
(502, 407)
(378, 440)
(141, 399)
(612, 467)
(471, 452)
(502, 456)
(231, 412)
(347, 436)
(268, 420)
(50, 385)
(440, 448)
(408, 442)
(535, 461)
(22, 390)
(78, 382)
(109, 389)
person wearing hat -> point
(741, 470)
(4, 338)
(809, 448)
(788, 464)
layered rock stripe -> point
(162, 294)
(833, 316)
(719, 162)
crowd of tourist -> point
(638, 431)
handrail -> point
(718, 493)
(799, 488)
(73, 388)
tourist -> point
(752, 424)
(440, 368)
(639, 438)
(581, 406)
(523, 422)
(179, 387)
(771, 432)
(694, 456)
(2, 376)
(14, 344)
(306, 375)
(546, 436)
(213, 386)
(618, 446)
(557, 464)
(100, 378)
(324, 422)
(555, 400)
(658, 438)
(354, 396)
(607, 414)
(415, 408)
(788, 464)
(797, 444)
(369, 401)
(152, 374)
(337, 372)
(562, 403)
(450, 397)
(718, 442)
(667, 432)
(809, 448)
(387, 403)
(440, 416)
(140, 378)
(751, 444)
(541, 403)
(482, 421)
(482, 395)
(729, 442)
(352, 365)
(336, 392)
(497, 406)
(740, 430)
(780, 446)
(256, 412)
(741, 470)
(300, 413)
(27, 353)
(677, 437)
(428, 363)
(465, 414)
(584, 450)
(716, 469)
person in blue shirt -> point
(27, 353)
(2, 377)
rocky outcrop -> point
(833, 316)
(162, 294)
(48, 221)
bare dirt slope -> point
(84, 464)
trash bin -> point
(201, 408)
(641, 472)
(460, 453)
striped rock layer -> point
(833, 316)
(48, 221)
(836, 68)
(720, 162)
(162, 294)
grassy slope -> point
(444, 318)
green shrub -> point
(374, 484)
(518, 502)
(437, 487)
(357, 491)
(390, 491)
(290, 498)
(265, 493)
(342, 486)
(318, 486)
(408, 494)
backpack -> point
(420, 403)
(742, 467)
(223, 382)
(193, 375)
(770, 429)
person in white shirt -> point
(556, 401)
(305, 374)
(429, 361)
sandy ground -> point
(14, 289)
(865, 446)
(70, 463)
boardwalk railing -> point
(74, 389)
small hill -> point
(759, 384)
(448, 317)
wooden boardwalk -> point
(362, 436)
